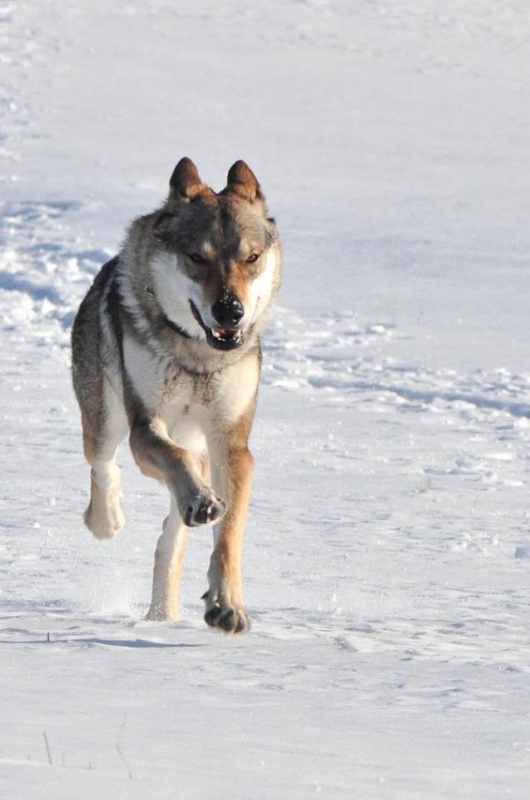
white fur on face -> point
(174, 290)
(261, 289)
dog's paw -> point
(229, 619)
(104, 522)
(205, 508)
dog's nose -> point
(228, 311)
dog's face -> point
(217, 262)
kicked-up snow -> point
(387, 553)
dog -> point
(166, 349)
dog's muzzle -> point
(228, 311)
(225, 337)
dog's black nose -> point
(228, 311)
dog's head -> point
(216, 266)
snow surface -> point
(387, 556)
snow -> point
(387, 549)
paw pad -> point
(228, 619)
(206, 508)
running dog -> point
(166, 350)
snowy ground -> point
(388, 547)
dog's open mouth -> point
(219, 338)
(227, 336)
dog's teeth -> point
(222, 333)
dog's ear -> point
(242, 181)
(185, 183)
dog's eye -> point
(252, 258)
(197, 258)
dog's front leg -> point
(159, 457)
(169, 557)
(192, 503)
(232, 471)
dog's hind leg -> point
(104, 517)
(169, 558)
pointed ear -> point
(242, 181)
(185, 182)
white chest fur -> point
(194, 407)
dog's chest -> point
(208, 401)
(185, 394)
(183, 398)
